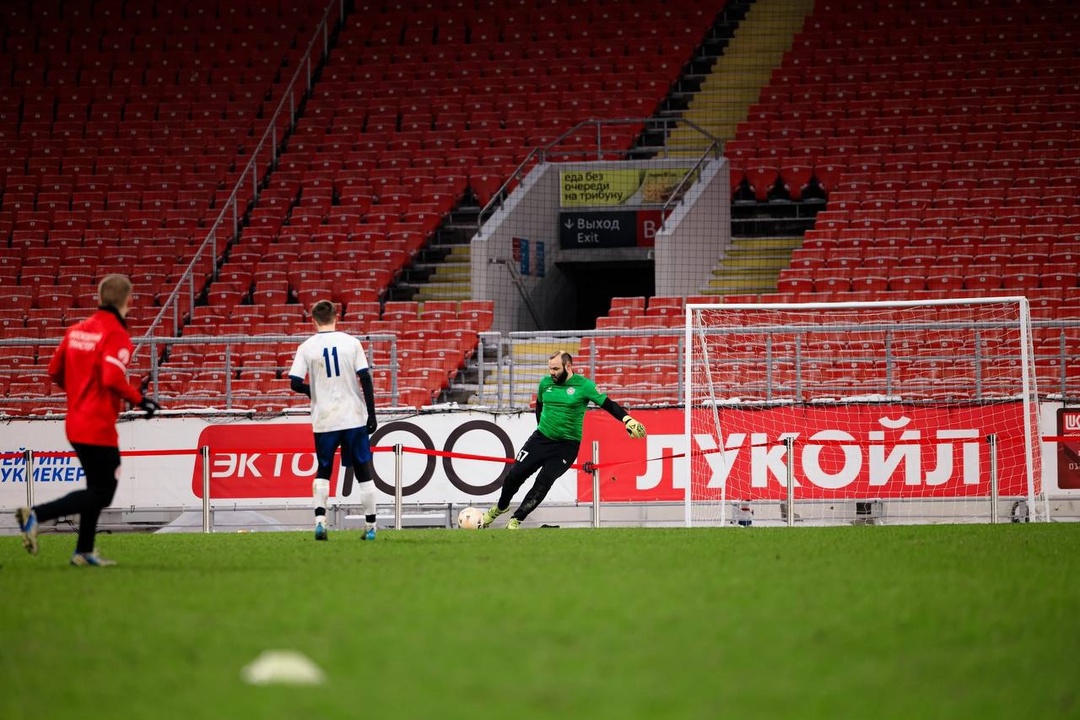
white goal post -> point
(861, 413)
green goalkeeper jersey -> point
(563, 411)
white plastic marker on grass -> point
(283, 667)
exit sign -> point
(608, 229)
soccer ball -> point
(470, 518)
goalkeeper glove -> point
(372, 424)
(633, 428)
(150, 406)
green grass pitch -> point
(855, 622)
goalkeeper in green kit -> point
(560, 413)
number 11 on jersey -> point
(327, 353)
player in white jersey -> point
(336, 369)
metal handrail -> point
(713, 151)
(540, 154)
(268, 139)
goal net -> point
(861, 413)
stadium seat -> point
(627, 306)
(981, 281)
(796, 178)
(762, 178)
(401, 310)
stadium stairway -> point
(527, 360)
(752, 266)
(442, 268)
(682, 92)
(736, 79)
(452, 277)
(732, 84)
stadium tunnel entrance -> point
(595, 283)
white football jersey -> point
(330, 360)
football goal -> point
(861, 413)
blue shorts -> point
(355, 449)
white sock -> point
(367, 498)
(320, 491)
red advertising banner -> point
(861, 452)
(648, 222)
(1068, 450)
(259, 461)
(452, 457)
(853, 452)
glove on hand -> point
(633, 428)
(150, 406)
(372, 424)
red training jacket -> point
(91, 366)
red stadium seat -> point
(796, 178)
(762, 177)
(628, 306)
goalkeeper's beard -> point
(561, 377)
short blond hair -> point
(114, 290)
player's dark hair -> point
(323, 312)
(564, 357)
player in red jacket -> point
(91, 366)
